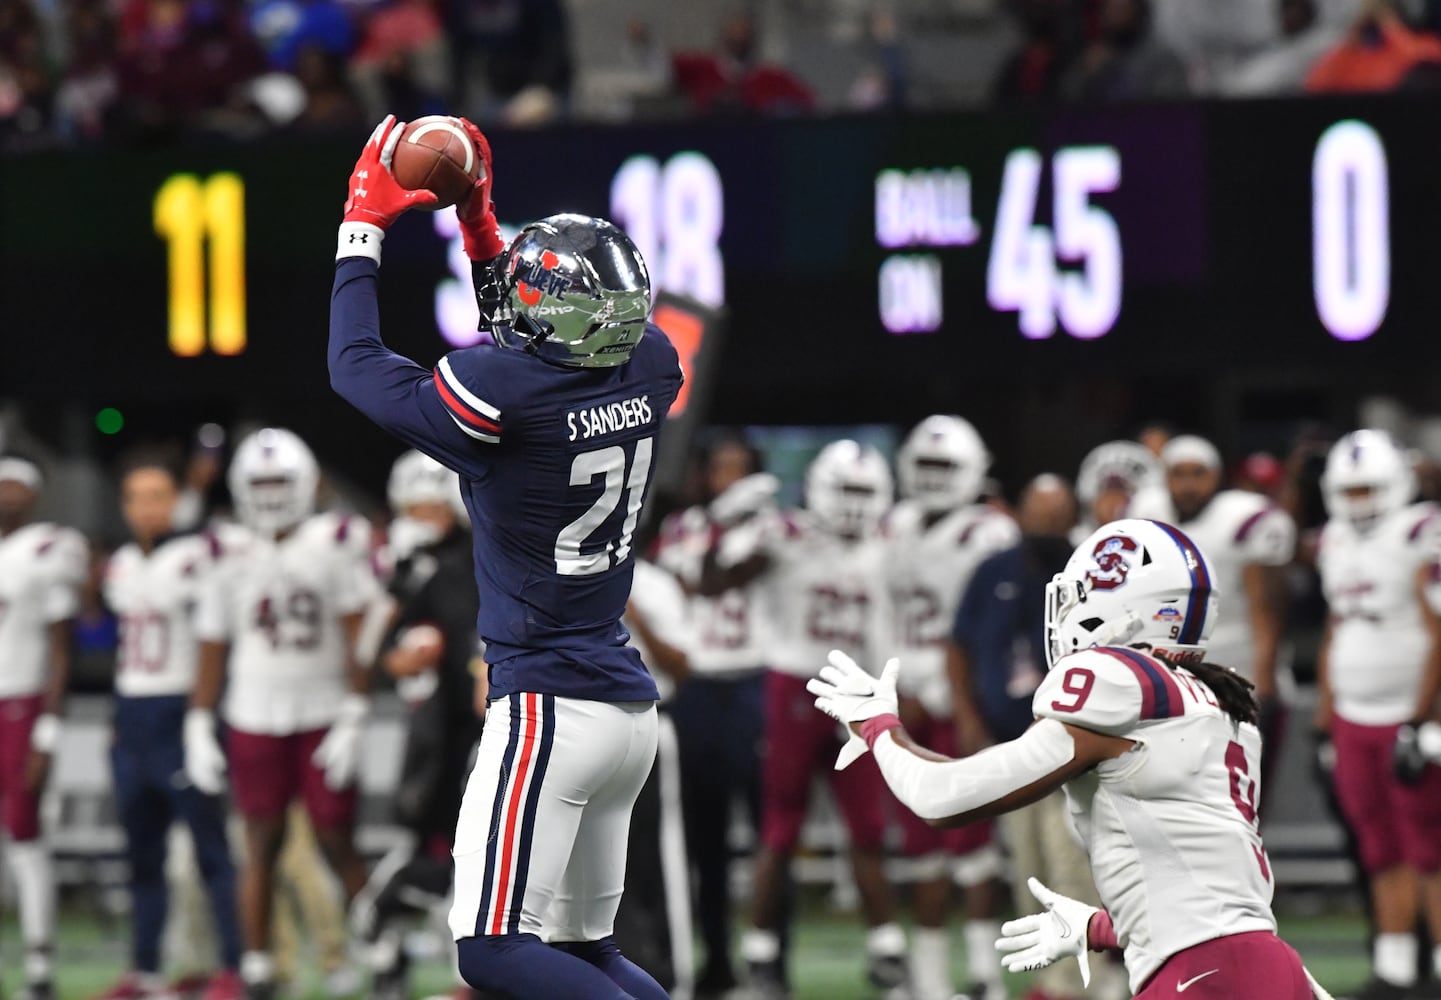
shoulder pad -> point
(1152, 503)
(1425, 523)
(1263, 530)
(656, 349)
(1108, 689)
(464, 391)
(990, 529)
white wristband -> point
(45, 735)
(359, 239)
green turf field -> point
(828, 957)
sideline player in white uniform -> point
(1158, 753)
(286, 608)
(1110, 477)
(1380, 670)
(934, 540)
(821, 585)
(41, 568)
(153, 584)
(1247, 539)
(718, 710)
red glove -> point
(476, 212)
(375, 198)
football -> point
(435, 153)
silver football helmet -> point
(572, 290)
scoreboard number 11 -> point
(192, 215)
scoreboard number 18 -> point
(192, 216)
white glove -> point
(1428, 737)
(848, 694)
(339, 753)
(745, 497)
(204, 760)
(1040, 939)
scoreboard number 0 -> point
(1350, 230)
(191, 215)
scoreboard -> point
(857, 258)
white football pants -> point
(541, 843)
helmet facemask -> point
(936, 484)
(271, 504)
(1069, 628)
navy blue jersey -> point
(555, 465)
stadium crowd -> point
(139, 71)
(739, 598)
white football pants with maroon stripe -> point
(541, 843)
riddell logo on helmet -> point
(1112, 563)
(537, 278)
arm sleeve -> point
(212, 614)
(391, 390)
(938, 789)
(358, 587)
(69, 559)
(1107, 690)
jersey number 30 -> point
(610, 463)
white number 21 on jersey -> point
(611, 463)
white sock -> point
(931, 964)
(982, 959)
(760, 947)
(1436, 961)
(886, 941)
(257, 967)
(35, 892)
(1394, 959)
(150, 982)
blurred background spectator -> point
(1380, 53)
(1126, 61)
(87, 71)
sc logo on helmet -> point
(1112, 563)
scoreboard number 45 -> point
(193, 215)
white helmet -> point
(943, 463)
(848, 488)
(417, 478)
(272, 479)
(1127, 464)
(1132, 582)
(1361, 460)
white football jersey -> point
(820, 594)
(661, 599)
(1171, 827)
(725, 627)
(155, 596)
(280, 605)
(42, 566)
(1233, 531)
(1379, 640)
(927, 571)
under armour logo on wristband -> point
(360, 237)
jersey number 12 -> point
(610, 463)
